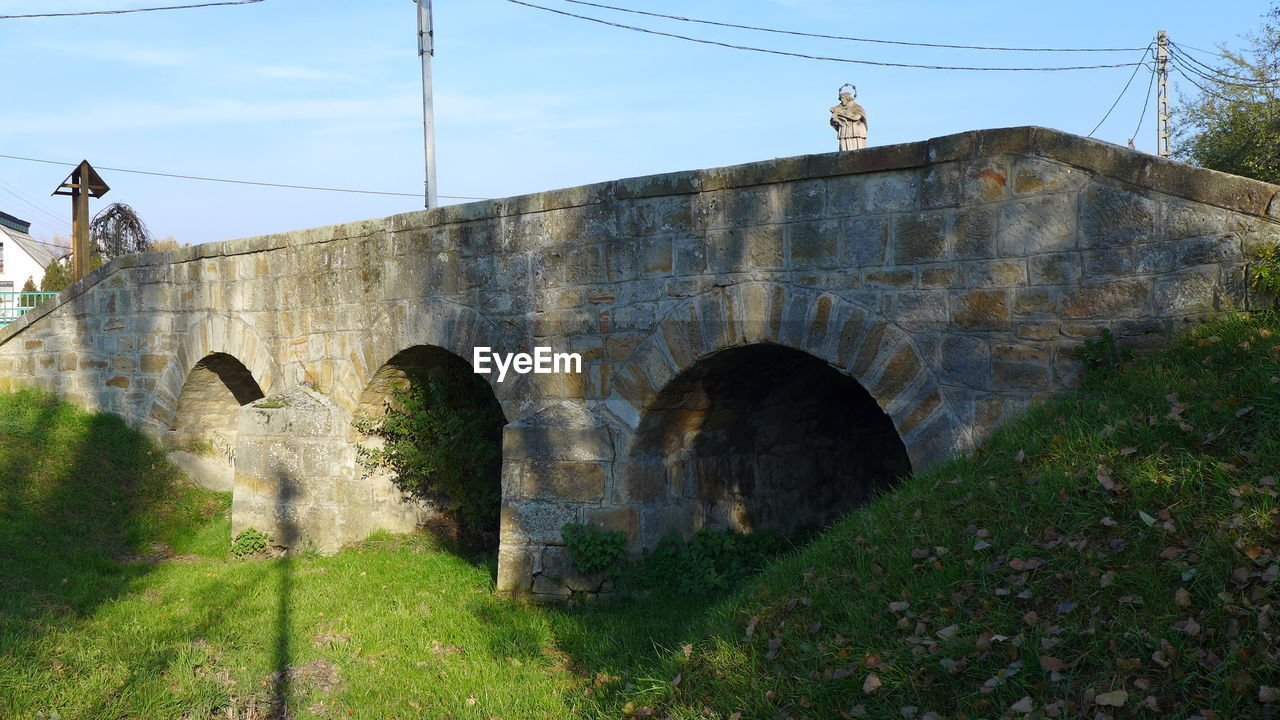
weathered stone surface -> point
(1055, 269)
(951, 278)
(920, 237)
(982, 310)
(1110, 299)
(1187, 293)
(1111, 216)
(814, 244)
(1037, 225)
(571, 481)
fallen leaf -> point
(1146, 518)
(1022, 706)
(871, 684)
(1106, 578)
(1268, 694)
(1115, 698)
(1052, 664)
(1182, 597)
(1188, 626)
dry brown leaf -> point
(1052, 664)
(1115, 698)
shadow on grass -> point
(87, 507)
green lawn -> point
(1114, 554)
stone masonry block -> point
(975, 233)
(566, 480)
(920, 237)
(985, 181)
(1109, 299)
(892, 192)
(865, 241)
(965, 361)
(1111, 216)
(1185, 293)
(1037, 225)
(814, 244)
(1055, 269)
(981, 310)
(535, 521)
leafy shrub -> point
(443, 444)
(1102, 357)
(595, 550)
(710, 561)
(249, 542)
(1266, 271)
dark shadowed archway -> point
(215, 388)
(765, 437)
(203, 430)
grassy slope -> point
(1114, 552)
(118, 599)
(399, 628)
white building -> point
(22, 256)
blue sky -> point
(322, 92)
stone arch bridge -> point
(763, 345)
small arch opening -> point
(761, 437)
(456, 423)
(203, 432)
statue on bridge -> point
(849, 120)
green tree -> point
(57, 277)
(1232, 121)
(27, 287)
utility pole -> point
(83, 183)
(1162, 94)
(426, 50)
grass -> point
(1112, 554)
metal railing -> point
(14, 305)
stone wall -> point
(950, 279)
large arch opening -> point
(203, 432)
(763, 437)
(456, 424)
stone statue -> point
(849, 120)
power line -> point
(808, 57)
(48, 214)
(1145, 101)
(1178, 67)
(840, 37)
(123, 12)
(42, 242)
(1209, 72)
(1121, 95)
(239, 182)
(1211, 79)
(1206, 52)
